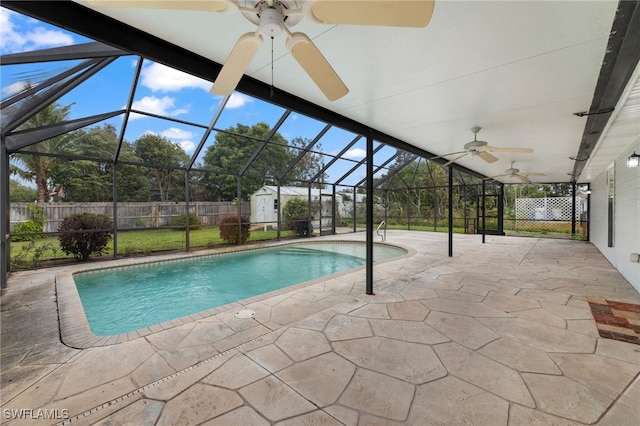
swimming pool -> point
(120, 300)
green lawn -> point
(28, 255)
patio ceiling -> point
(520, 70)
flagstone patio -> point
(499, 334)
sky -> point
(161, 90)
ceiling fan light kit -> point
(271, 21)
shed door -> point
(264, 206)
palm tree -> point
(40, 167)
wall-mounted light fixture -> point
(633, 160)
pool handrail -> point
(384, 235)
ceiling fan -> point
(513, 172)
(481, 149)
(274, 17)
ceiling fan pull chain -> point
(272, 92)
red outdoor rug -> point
(616, 320)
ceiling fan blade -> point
(446, 155)
(533, 174)
(489, 158)
(493, 177)
(523, 178)
(455, 159)
(522, 150)
(397, 13)
(198, 5)
(315, 64)
(237, 63)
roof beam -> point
(93, 49)
(620, 60)
(51, 94)
(22, 139)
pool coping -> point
(74, 326)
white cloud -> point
(161, 78)
(188, 146)
(238, 100)
(180, 136)
(161, 106)
(31, 36)
(175, 133)
(14, 88)
(355, 153)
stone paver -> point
(485, 373)
(499, 334)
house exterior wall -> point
(626, 230)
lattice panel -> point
(548, 208)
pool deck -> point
(499, 334)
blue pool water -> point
(120, 300)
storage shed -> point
(265, 202)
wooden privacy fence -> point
(131, 215)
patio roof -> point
(542, 86)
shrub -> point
(301, 225)
(229, 229)
(181, 221)
(33, 225)
(295, 215)
(84, 244)
(294, 207)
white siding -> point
(626, 238)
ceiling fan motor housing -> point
(475, 145)
(271, 21)
(512, 172)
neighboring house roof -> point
(289, 190)
(301, 191)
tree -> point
(19, 193)
(231, 150)
(417, 189)
(167, 158)
(309, 165)
(40, 167)
(92, 180)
